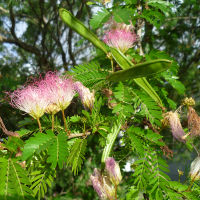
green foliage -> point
(36, 144)
(148, 107)
(122, 15)
(89, 74)
(99, 18)
(76, 155)
(41, 177)
(14, 181)
(58, 150)
(125, 121)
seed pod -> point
(113, 171)
(195, 169)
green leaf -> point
(14, 182)
(37, 143)
(122, 15)
(40, 179)
(76, 155)
(99, 18)
(89, 74)
(58, 150)
(142, 82)
(141, 70)
(80, 28)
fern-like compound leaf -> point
(14, 181)
(99, 18)
(37, 143)
(76, 156)
(57, 150)
(40, 179)
(89, 74)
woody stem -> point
(64, 120)
(39, 124)
(52, 121)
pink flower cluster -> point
(105, 185)
(50, 94)
(120, 36)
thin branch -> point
(21, 44)
(78, 135)
(4, 129)
(180, 18)
(4, 10)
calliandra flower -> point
(87, 97)
(120, 36)
(31, 100)
(59, 90)
(113, 170)
(195, 169)
(175, 124)
(97, 183)
(193, 122)
(108, 188)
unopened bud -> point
(113, 171)
(173, 120)
(108, 188)
(97, 183)
(193, 122)
(87, 97)
(195, 169)
(52, 109)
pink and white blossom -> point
(87, 97)
(59, 90)
(31, 100)
(120, 36)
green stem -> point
(111, 137)
(112, 65)
(115, 192)
(64, 120)
(39, 124)
(52, 121)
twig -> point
(79, 135)
(4, 129)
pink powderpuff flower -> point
(120, 36)
(113, 170)
(87, 97)
(59, 90)
(173, 120)
(97, 183)
(31, 100)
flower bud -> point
(195, 169)
(87, 97)
(52, 109)
(108, 188)
(97, 183)
(173, 120)
(193, 122)
(113, 171)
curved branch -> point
(4, 129)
